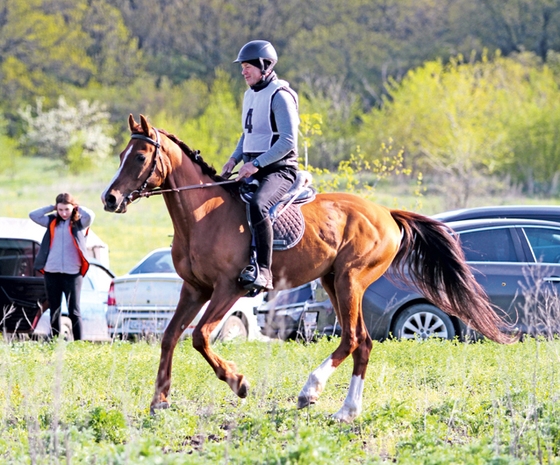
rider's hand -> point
(247, 170)
(228, 168)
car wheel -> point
(233, 328)
(66, 332)
(423, 321)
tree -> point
(465, 121)
(39, 51)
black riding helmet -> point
(259, 53)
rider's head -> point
(259, 53)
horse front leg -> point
(225, 370)
(187, 309)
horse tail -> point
(432, 259)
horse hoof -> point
(158, 406)
(304, 401)
(243, 389)
(346, 415)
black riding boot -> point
(263, 239)
(260, 277)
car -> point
(301, 313)
(516, 261)
(534, 212)
(142, 302)
(23, 299)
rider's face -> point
(251, 73)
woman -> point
(62, 257)
(268, 147)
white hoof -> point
(346, 414)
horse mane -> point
(195, 157)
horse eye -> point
(141, 157)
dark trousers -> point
(70, 285)
(272, 187)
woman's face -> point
(251, 73)
(64, 210)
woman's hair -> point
(67, 198)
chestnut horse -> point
(348, 243)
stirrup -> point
(252, 279)
(248, 275)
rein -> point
(183, 188)
(142, 192)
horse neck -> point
(187, 207)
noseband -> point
(157, 145)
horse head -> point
(141, 167)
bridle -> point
(142, 192)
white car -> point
(142, 302)
(93, 308)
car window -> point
(489, 245)
(158, 262)
(320, 294)
(17, 257)
(545, 244)
(293, 296)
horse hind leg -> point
(355, 340)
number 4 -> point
(249, 121)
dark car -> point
(303, 312)
(516, 261)
(529, 212)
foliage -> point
(9, 151)
(78, 136)
(361, 176)
(41, 48)
(216, 131)
(434, 402)
(465, 121)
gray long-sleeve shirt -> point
(63, 255)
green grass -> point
(424, 403)
(437, 402)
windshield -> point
(158, 262)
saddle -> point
(287, 220)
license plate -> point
(147, 325)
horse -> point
(348, 243)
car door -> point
(93, 303)
(497, 259)
(22, 290)
(540, 313)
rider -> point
(268, 148)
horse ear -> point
(145, 125)
(131, 122)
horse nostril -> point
(110, 201)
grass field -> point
(437, 402)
